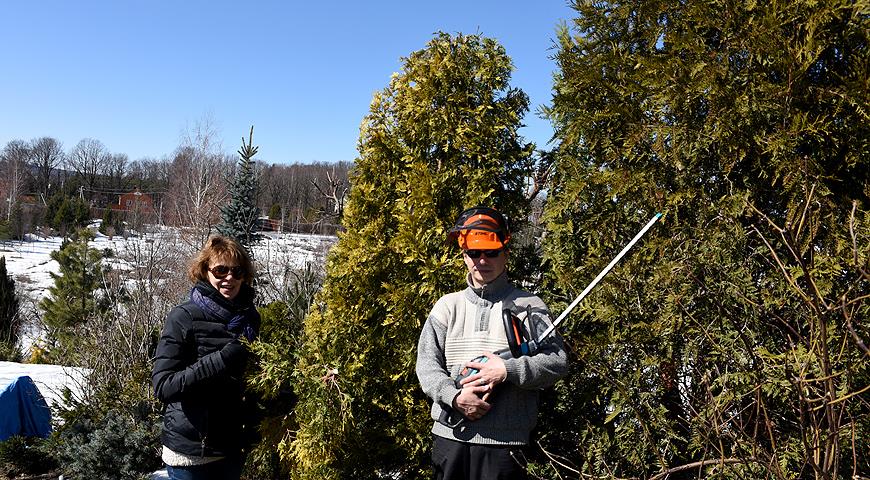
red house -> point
(135, 201)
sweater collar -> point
(491, 291)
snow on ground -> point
(30, 264)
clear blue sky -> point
(136, 74)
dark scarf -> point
(240, 315)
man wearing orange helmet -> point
(480, 422)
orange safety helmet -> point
(481, 228)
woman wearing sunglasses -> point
(498, 405)
(199, 365)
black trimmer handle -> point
(513, 328)
(447, 418)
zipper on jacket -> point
(204, 436)
(480, 314)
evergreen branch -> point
(552, 458)
(856, 300)
(779, 263)
(248, 151)
(843, 398)
(822, 379)
(703, 463)
(803, 216)
(731, 317)
(638, 414)
(789, 241)
(858, 340)
(855, 242)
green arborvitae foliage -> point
(441, 137)
(239, 217)
(9, 317)
(65, 213)
(112, 223)
(5, 230)
(275, 212)
(26, 456)
(75, 296)
(278, 347)
(16, 222)
(733, 338)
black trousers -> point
(466, 461)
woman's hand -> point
(234, 355)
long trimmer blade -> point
(600, 276)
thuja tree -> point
(10, 324)
(732, 343)
(442, 136)
(239, 217)
(66, 214)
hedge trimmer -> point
(519, 346)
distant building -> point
(266, 224)
(135, 201)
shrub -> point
(10, 321)
(277, 349)
(275, 212)
(5, 230)
(25, 455)
(114, 446)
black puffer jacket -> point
(205, 400)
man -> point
(479, 424)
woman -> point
(199, 363)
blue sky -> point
(136, 74)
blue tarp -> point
(23, 411)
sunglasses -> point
(221, 271)
(488, 253)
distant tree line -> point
(39, 177)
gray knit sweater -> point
(464, 325)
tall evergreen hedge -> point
(441, 137)
(732, 343)
(10, 322)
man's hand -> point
(469, 402)
(490, 373)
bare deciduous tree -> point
(334, 191)
(87, 160)
(13, 172)
(115, 172)
(47, 155)
(306, 193)
(198, 181)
